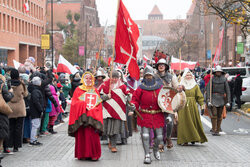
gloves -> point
(209, 104)
(228, 105)
(131, 107)
(202, 111)
(105, 97)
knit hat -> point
(14, 74)
(36, 81)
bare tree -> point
(180, 38)
(232, 11)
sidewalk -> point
(58, 151)
(243, 113)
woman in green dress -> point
(189, 123)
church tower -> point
(155, 14)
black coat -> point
(46, 80)
(4, 120)
(36, 102)
(238, 86)
(75, 83)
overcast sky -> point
(139, 9)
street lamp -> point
(52, 47)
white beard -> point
(189, 84)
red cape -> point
(79, 115)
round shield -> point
(167, 99)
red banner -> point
(218, 49)
(126, 48)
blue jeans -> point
(35, 126)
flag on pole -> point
(218, 49)
(145, 58)
(65, 67)
(109, 61)
(16, 64)
(26, 7)
(126, 48)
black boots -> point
(51, 130)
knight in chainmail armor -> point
(220, 96)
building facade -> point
(21, 30)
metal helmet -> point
(100, 74)
(162, 61)
(148, 71)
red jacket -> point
(145, 99)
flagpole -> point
(211, 62)
(113, 55)
(100, 48)
(180, 58)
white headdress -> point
(189, 84)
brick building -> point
(20, 30)
(88, 20)
(155, 30)
(200, 26)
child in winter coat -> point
(46, 118)
(36, 109)
(54, 112)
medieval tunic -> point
(147, 100)
(85, 125)
(114, 109)
(189, 123)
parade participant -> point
(122, 137)
(189, 123)
(99, 77)
(169, 81)
(86, 120)
(132, 85)
(220, 88)
(145, 101)
(113, 93)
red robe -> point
(145, 99)
(85, 125)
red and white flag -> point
(145, 58)
(26, 7)
(218, 49)
(126, 48)
(65, 67)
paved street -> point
(231, 149)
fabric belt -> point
(221, 94)
(151, 111)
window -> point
(28, 29)
(8, 23)
(0, 21)
(22, 8)
(16, 25)
(12, 24)
(16, 4)
(235, 71)
(23, 27)
(19, 26)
